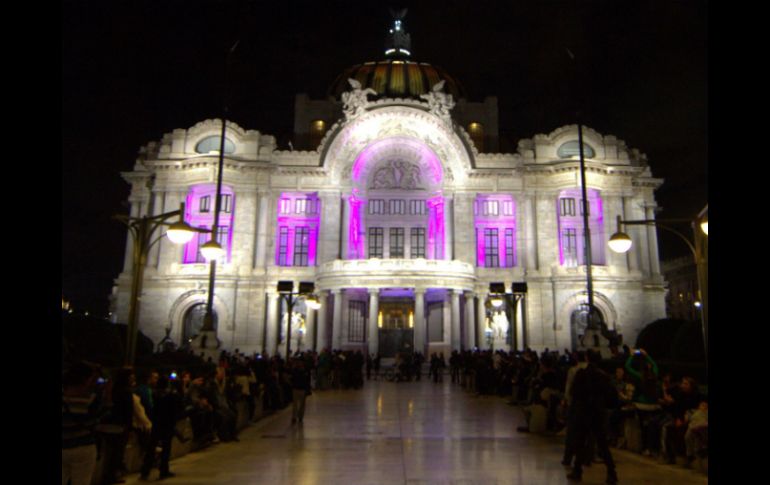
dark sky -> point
(133, 71)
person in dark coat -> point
(167, 410)
(300, 385)
(592, 395)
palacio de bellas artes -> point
(396, 204)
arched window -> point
(572, 148)
(193, 322)
(212, 143)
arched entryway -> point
(193, 322)
(579, 321)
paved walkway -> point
(406, 433)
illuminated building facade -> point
(402, 214)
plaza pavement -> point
(415, 433)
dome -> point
(396, 78)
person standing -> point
(81, 407)
(592, 394)
(166, 412)
(116, 427)
(300, 385)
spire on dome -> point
(398, 44)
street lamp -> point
(620, 242)
(142, 230)
(212, 250)
(286, 291)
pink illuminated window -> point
(495, 223)
(298, 222)
(200, 213)
(572, 244)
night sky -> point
(133, 71)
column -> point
(628, 214)
(374, 302)
(613, 208)
(530, 234)
(345, 235)
(419, 320)
(456, 320)
(308, 341)
(261, 237)
(652, 240)
(169, 252)
(329, 230)
(481, 320)
(157, 208)
(448, 228)
(321, 334)
(337, 320)
(272, 323)
(470, 327)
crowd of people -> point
(568, 393)
(598, 407)
(101, 409)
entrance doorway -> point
(395, 326)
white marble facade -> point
(396, 150)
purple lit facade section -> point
(495, 214)
(199, 212)
(435, 249)
(370, 153)
(298, 219)
(569, 209)
(356, 233)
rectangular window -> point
(357, 316)
(226, 203)
(417, 242)
(507, 207)
(301, 244)
(417, 207)
(203, 238)
(376, 206)
(567, 206)
(283, 245)
(376, 236)
(491, 255)
(222, 232)
(569, 245)
(396, 242)
(588, 207)
(509, 247)
(204, 204)
(396, 206)
(284, 206)
(490, 208)
(301, 206)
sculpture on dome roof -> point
(355, 101)
(439, 103)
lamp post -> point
(286, 291)
(620, 242)
(142, 230)
(212, 250)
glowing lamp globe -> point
(496, 301)
(704, 225)
(212, 250)
(180, 233)
(620, 242)
(313, 303)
